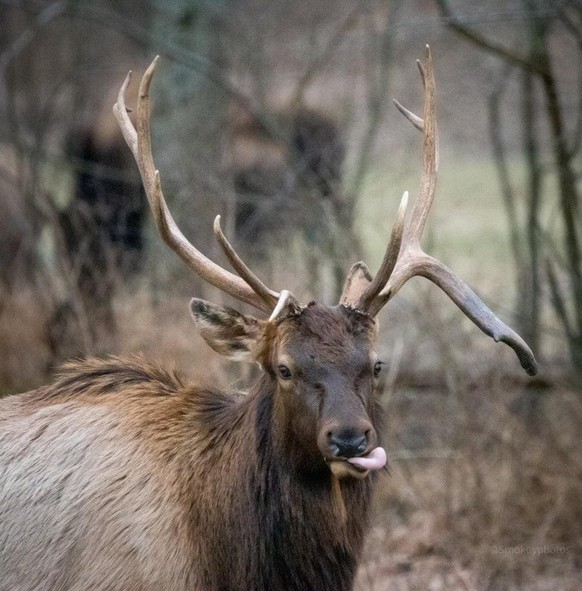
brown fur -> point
(121, 477)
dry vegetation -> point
(485, 485)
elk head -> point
(320, 360)
(322, 368)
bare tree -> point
(565, 257)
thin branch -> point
(378, 90)
(559, 301)
(577, 134)
(501, 161)
(508, 54)
(569, 23)
(327, 54)
(193, 60)
(43, 18)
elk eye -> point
(378, 368)
(284, 372)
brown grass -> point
(486, 483)
(485, 490)
(483, 495)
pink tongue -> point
(375, 460)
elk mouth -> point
(358, 466)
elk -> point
(119, 476)
(101, 230)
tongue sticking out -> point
(375, 460)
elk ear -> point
(227, 331)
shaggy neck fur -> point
(290, 525)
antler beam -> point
(404, 257)
(246, 288)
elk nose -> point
(347, 445)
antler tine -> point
(287, 305)
(420, 65)
(408, 236)
(389, 261)
(414, 119)
(413, 261)
(430, 153)
(270, 298)
(140, 144)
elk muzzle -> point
(351, 450)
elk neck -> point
(273, 499)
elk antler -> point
(246, 288)
(404, 257)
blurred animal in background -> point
(270, 171)
(287, 179)
(101, 228)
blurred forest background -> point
(278, 115)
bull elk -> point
(119, 476)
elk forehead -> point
(326, 334)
